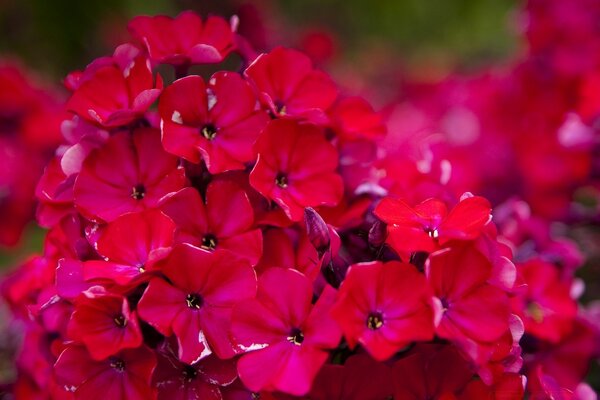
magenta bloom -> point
(130, 245)
(384, 307)
(296, 168)
(124, 376)
(130, 172)
(225, 221)
(429, 226)
(200, 381)
(289, 86)
(112, 94)
(431, 371)
(104, 323)
(546, 306)
(217, 123)
(353, 118)
(286, 337)
(185, 39)
(472, 310)
(195, 304)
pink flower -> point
(195, 303)
(224, 221)
(289, 86)
(179, 381)
(130, 172)
(384, 307)
(472, 310)
(130, 245)
(185, 39)
(124, 376)
(429, 226)
(296, 168)
(354, 118)
(117, 93)
(430, 371)
(217, 123)
(104, 323)
(281, 329)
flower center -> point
(138, 192)
(432, 232)
(209, 242)
(209, 131)
(189, 373)
(117, 364)
(535, 312)
(281, 180)
(120, 321)
(296, 337)
(375, 321)
(193, 300)
(445, 304)
(280, 107)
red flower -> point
(289, 86)
(116, 93)
(124, 376)
(429, 226)
(225, 221)
(430, 371)
(130, 172)
(546, 307)
(384, 307)
(217, 123)
(179, 381)
(185, 39)
(510, 386)
(471, 309)
(195, 304)
(360, 378)
(296, 168)
(353, 118)
(130, 245)
(104, 323)
(287, 338)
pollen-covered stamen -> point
(189, 373)
(280, 107)
(209, 242)
(534, 310)
(117, 364)
(281, 180)
(432, 232)
(296, 337)
(138, 192)
(120, 321)
(194, 301)
(375, 321)
(209, 131)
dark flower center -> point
(209, 131)
(375, 321)
(189, 373)
(280, 107)
(445, 303)
(281, 180)
(120, 321)
(296, 337)
(209, 242)
(194, 300)
(117, 364)
(138, 192)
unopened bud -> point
(317, 231)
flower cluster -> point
(30, 118)
(261, 234)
